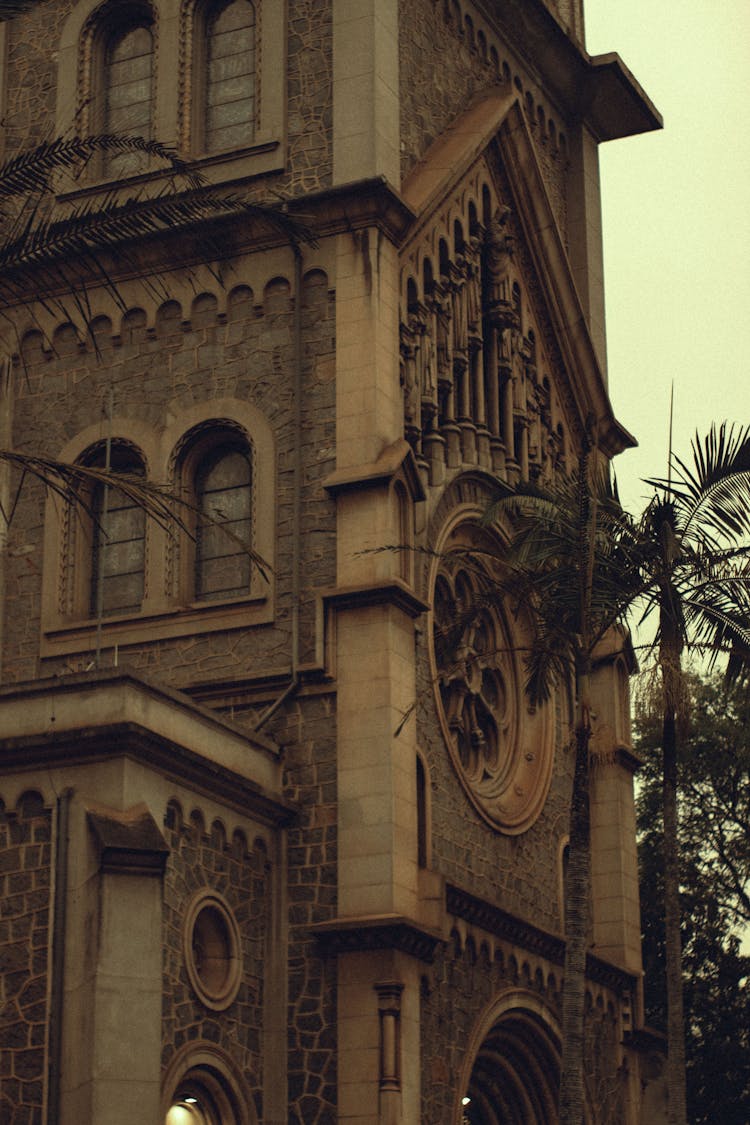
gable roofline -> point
(497, 119)
(598, 90)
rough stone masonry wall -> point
(31, 85)
(444, 63)
(25, 900)
(306, 729)
(185, 356)
(458, 988)
(201, 856)
(310, 92)
(518, 873)
(438, 76)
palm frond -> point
(98, 227)
(33, 170)
(711, 496)
(73, 484)
(67, 254)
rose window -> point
(499, 745)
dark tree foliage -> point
(714, 839)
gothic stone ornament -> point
(501, 747)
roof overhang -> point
(76, 720)
(598, 90)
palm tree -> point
(584, 564)
(693, 544)
(565, 559)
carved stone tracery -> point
(469, 372)
(501, 747)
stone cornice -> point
(355, 206)
(345, 208)
(398, 457)
(646, 1039)
(627, 757)
(478, 912)
(393, 592)
(128, 740)
(598, 90)
(378, 931)
(129, 843)
(610, 976)
(113, 714)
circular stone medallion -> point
(211, 944)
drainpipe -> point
(292, 687)
(59, 920)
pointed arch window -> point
(229, 79)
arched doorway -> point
(204, 1086)
(512, 1070)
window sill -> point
(216, 168)
(63, 638)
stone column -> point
(373, 634)
(389, 1008)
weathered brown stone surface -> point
(186, 357)
(201, 856)
(308, 734)
(444, 64)
(25, 900)
(464, 981)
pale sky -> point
(677, 225)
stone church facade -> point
(269, 852)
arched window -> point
(228, 105)
(118, 548)
(128, 90)
(222, 482)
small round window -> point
(212, 950)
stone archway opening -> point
(514, 1079)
